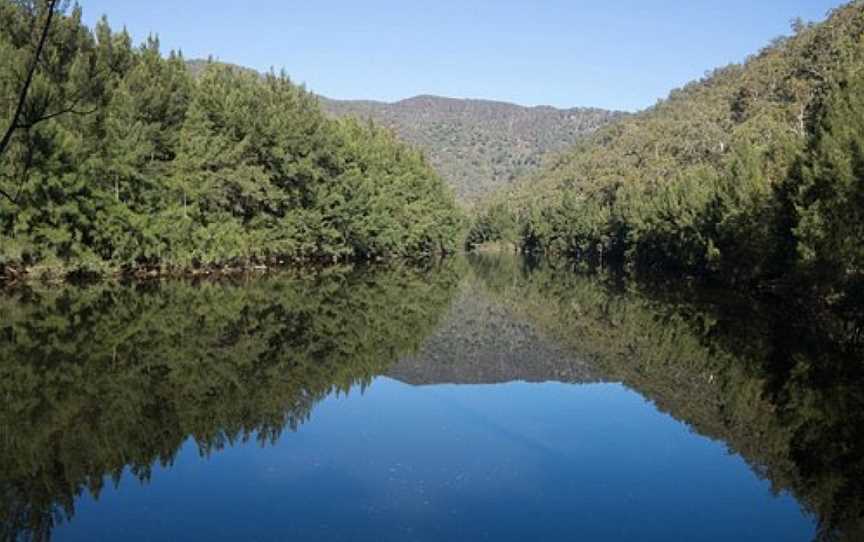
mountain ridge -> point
(459, 99)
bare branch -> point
(67, 110)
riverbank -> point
(58, 274)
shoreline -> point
(12, 276)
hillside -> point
(478, 146)
(747, 174)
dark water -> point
(481, 399)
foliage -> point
(731, 177)
(150, 167)
(829, 188)
(479, 146)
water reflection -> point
(106, 380)
(779, 383)
(103, 378)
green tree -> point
(830, 198)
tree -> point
(58, 77)
(47, 14)
(170, 171)
(830, 200)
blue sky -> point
(619, 55)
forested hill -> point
(115, 158)
(753, 174)
(198, 66)
(478, 146)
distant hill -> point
(197, 66)
(479, 146)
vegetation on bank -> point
(751, 174)
(116, 158)
(119, 159)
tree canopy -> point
(123, 160)
(751, 174)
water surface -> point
(482, 399)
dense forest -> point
(753, 174)
(115, 158)
(477, 146)
(120, 158)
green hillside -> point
(749, 173)
(478, 146)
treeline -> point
(753, 174)
(120, 159)
(774, 382)
(110, 377)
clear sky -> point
(619, 55)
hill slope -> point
(478, 146)
(745, 174)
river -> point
(480, 398)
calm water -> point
(481, 399)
